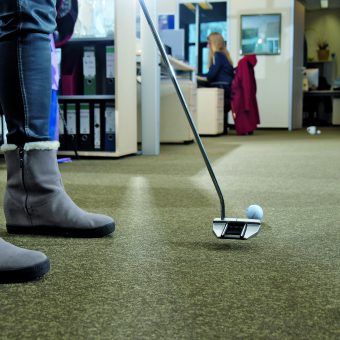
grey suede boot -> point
(20, 265)
(35, 200)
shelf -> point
(87, 98)
(123, 96)
(103, 154)
(91, 40)
(320, 61)
(314, 93)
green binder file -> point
(110, 70)
(84, 140)
(89, 70)
(71, 124)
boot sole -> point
(62, 231)
(25, 274)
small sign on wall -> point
(166, 22)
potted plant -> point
(323, 51)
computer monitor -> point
(312, 75)
(175, 40)
(168, 50)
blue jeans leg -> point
(25, 68)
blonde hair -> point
(217, 44)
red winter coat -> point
(243, 96)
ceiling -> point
(315, 4)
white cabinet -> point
(174, 126)
(210, 113)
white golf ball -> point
(255, 212)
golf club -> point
(223, 228)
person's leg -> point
(20, 265)
(22, 76)
(25, 67)
(35, 200)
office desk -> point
(321, 93)
(180, 65)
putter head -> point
(236, 228)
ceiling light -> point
(205, 5)
(324, 3)
(190, 6)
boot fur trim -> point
(8, 147)
(53, 145)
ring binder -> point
(110, 129)
(89, 70)
(97, 144)
(110, 71)
(71, 124)
(84, 127)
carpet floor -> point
(163, 274)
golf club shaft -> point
(184, 104)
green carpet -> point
(163, 275)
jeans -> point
(25, 68)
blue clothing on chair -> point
(221, 72)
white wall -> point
(273, 73)
(167, 6)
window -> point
(260, 34)
(210, 20)
(95, 19)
